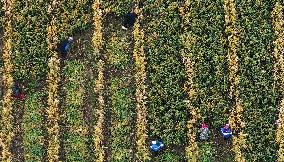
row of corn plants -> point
(121, 95)
(167, 111)
(31, 21)
(142, 152)
(192, 149)
(97, 42)
(278, 26)
(6, 130)
(31, 67)
(118, 7)
(74, 18)
(75, 136)
(77, 14)
(236, 119)
(258, 97)
(121, 119)
(206, 49)
(33, 135)
(53, 79)
(211, 66)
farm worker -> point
(17, 91)
(204, 132)
(129, 20)
(226, 131)
(157, 145)
(64, 47)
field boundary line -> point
(97, 41)
(53, 79)
(6, 133)
(235, 120)
(278, 26)
(142, 153)
(192, 150)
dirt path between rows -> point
(17, 147)
(113, 24)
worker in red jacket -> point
(204, 132)
(18, 91)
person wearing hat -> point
(64, 47)
(157, 145)
(129, 20)
(204, 132)
(226, 131)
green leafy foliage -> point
(121, 95)
(169, 156)
(118, 7)
(29, 43)
(75, 136)
(209, 55)
(166, 109)
(122, 117)
(75, 17)
(256, 64)
(206, 152)
(33, 136)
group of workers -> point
(156, 145)
(64, 47)
(204, 132)
(226, 132)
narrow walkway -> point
(121, 88)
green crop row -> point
(211, 63)
(256, 79)
(33, 135)
(122, 120)
(118, 7)
(75, 135)
(30, 45)
(121, 96)
(75, 16)
(166, 108)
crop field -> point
(182, 62)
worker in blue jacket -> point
(157, 145)
(129, 20)
(226, 131)
(64, 47)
